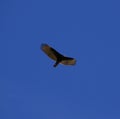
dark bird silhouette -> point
(59, 58)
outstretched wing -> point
(52, 53)
(59, 58)
(68, 61)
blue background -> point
(88, 30)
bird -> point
(56, 56)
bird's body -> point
(59, 58)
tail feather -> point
(56, 63)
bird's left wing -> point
(68, 61)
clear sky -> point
(31, 88)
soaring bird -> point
(55, 55)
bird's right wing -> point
(51, 52)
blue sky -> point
(30, 88)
